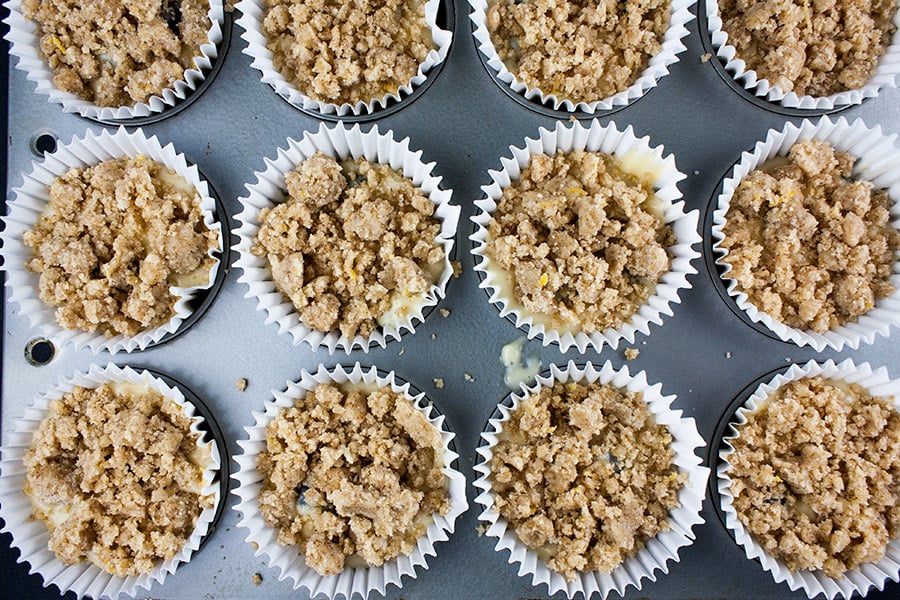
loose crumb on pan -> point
(444, 313)
(580, 51)
(457, 268)
(468, 377)
(354, 245)
(257, 579)
(580, 242)
(705, 58)
(351, 473)
(632, 353)
(810, 245)
(112, 240)
(585, 476)
(439, 383)
(115, 473)
(814, 475)
(241, 384)
(118, 53)
(810, 47)
(341, 52)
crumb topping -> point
(810, 245)
(577, 50)
(342, 52)
(815, 475)
(351, 472)
(116, 474)
(353, 246)
(117, 52)
(585, 476)
(810, 47)
(111, 242)
(579, 242)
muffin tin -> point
(705, 353)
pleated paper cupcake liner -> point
(31, 536)
(624, 145)
(878, 158)
(353, 581)
(252, 14)
(657, 68)
(31, 198)
(886, 73)
(660, 550)
(341, 143)
(24, 39)
(813, 583)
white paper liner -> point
(885, 75)
(659, 550)
(878, 159)
(32, 197)
(290, 562)
(340, 143)
(252, 13)
(858, 580)
(657, 68)
(608, 139)
(24, 38)
(31, 536)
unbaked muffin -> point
(113, 240)
(117, 475)
(814, 474)
(347, 52)
(354, 246)
(352, 476)
(578, 242)
(809, 243)
(575, 50)
(116, 53)
(584, 475)
(812, 48)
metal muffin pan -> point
(705, 354)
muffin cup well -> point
(31, 536)
(886, 73)
(340, 143)
(624, 145)
(858, 580)
(353, 581)
(878, 157)
(252, 14)
(24, 38)
(30, 199)
(657, 68)
(659, 550)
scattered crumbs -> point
(468, 377)
(444, 312)
(241, 384)
(434, 336)
(787, 359)
(402, 351)
(696, 171)
(481, 530)
(644, 343)
(705, 58)
(632, 353)
(256, 579)
(439, 383)
(572, 119)
(255, 545)
(728, 355)
(457, 268)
